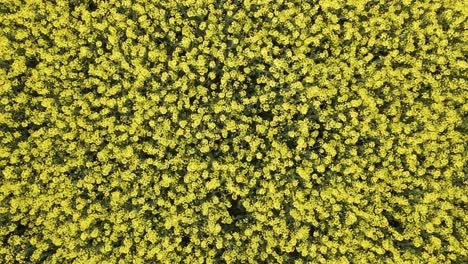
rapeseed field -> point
(223, 131)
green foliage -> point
(264, 131)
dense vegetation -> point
(227, 131)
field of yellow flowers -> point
(228, 131)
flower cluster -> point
(135, 131)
